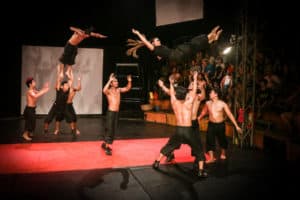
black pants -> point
(69, 54)
(112, 119)
(30, 120)
(216, 130)
(55, 111)
(195, 126)
(189, 49)
(70, 113)
(184, 135)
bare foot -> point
(56, 132)
(77, 132)
(223, 157)
(218, 34)
(26, 137)
(68, 72)
(214, 30)
(212, 160)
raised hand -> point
(171, 79)
(134, 31)
(111, 77)
(46, 85)
(195, 75)
(214, 34)
(129, 78)
(160, 83)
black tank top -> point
(61, 98)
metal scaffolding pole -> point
(244, 70)
(235, 137)
(248, 66)
(253, 84)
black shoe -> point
(155, 165)
(103, 145)
(108, 151)
(170, 158)
(195, 166)
(202, 174)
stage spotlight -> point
(227, 50)
(231, 44)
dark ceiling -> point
(46, 23)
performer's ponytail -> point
(136, 44)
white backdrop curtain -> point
(40, 62)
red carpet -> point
(52, 157)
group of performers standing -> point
(185, 101)
(62, 107)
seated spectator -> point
(264, 99)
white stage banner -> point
(177, 11)
(40, 62)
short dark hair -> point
(180, 92)
(29, 81)
(89, 30)
(63, 82)
(216, 90)
(153, 38)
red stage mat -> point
(52, 157)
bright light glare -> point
(227, 50)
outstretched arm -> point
(202, 94)
(44, 90)
(143, 39)
(194, 89)
(83, 33)
(59, 75)
(77, 30)
(231, 117)
(78, 88)
(203, 112)
(97, 35)
(106, 87)
(128, 86)
(172, 90)
(163, 87)
(69, 74)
